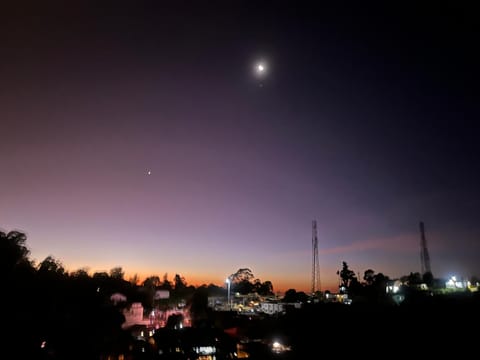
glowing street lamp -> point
(228, 293)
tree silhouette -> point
(134, 279)
(13, 251)
(368, 276)
(414, 279)
(199, 311)
(150, 285)
(100, 277)
(346, 275)
(428, 278)
(242, 281)
(151, 282)
(117, 273)
(264, 289)
(290, 296)
(80, 273)
(51, 265)
(243, 274)
(166, 284)
(179, 282)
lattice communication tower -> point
(315, 264)
(424, 256)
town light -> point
(228, 293)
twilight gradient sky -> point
(367, 121)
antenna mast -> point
(315, 264)
(424, 257)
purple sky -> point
(366, 121)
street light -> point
(228, 293)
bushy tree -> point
(13, 251)
(242, 281)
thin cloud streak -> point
(404, 243)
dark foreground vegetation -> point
(427, 328)
(48, 314)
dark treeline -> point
(44, 304)
(52, 314)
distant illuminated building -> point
(453, 283)
(271, 308)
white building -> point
(134, 316)
(272, 308)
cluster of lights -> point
(278, 347)
(205, 350)
(454, 283)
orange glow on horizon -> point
(278, 286)
(281, 283)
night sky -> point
(138, 134)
